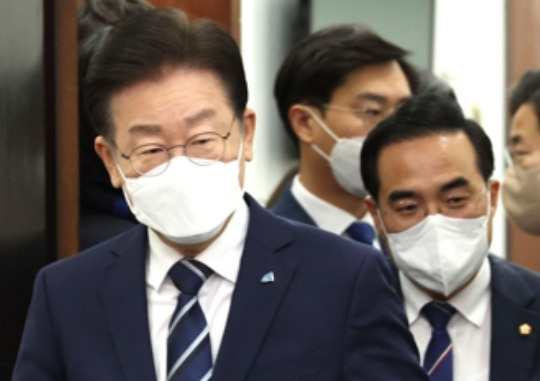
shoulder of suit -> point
(503, 268)
(96, 256)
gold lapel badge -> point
(525, 329)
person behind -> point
(262, 298)
(428, 172)
(521, 185)
(331, 90)
(103, 209)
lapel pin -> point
(525, 329)
(268, 277)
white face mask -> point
(344, 159)
(521, 197)
(441, 253)
(187, 203)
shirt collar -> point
(222, 256)
(325, 215)
(472, 302)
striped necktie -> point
(189, 356)
(438, 360)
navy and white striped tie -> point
(438, 360)
(189, 357)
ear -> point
(371, 205)
(249, 133)
(301, 124)
(105, 152)
(494, 187)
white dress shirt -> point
(469, 328)
(325, 215)
(222, 256)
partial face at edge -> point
(524, 140)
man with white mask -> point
(331, 90)
(428, 172)
(521, 185)
(210, 285)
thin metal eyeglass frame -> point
(184, 149)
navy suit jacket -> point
(515, 300)
(287, 206)
(332, 312)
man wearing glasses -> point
(331, 90)
(428, 171)
(210, 285)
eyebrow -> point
(515, 139)
(399, 194)
(368, 96)
(198, 117)
(140, 129)
(372, 97)
(456, 183)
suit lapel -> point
(255, 302)
(123, 293)
(512, 353)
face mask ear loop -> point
(120, 170)
(489, 202)
(322, 124)
(239, 156)
(124, 190)
(325, 128)
(240, 153)
(382, 223)
(320, 152)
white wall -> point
(267, 30)
(405, 23)
(469, 53)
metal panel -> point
(23, 239)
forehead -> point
(386, 79)
(425, 164)
(174, 95)
(525, 121)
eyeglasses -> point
(202, 149)
(370, 115)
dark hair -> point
(430, 83)
(318, 65)
(523, 91)
(423, 115)
(139, 48)
(95, 18)
(527, 90)
(93, 15)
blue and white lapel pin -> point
(268, 277)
